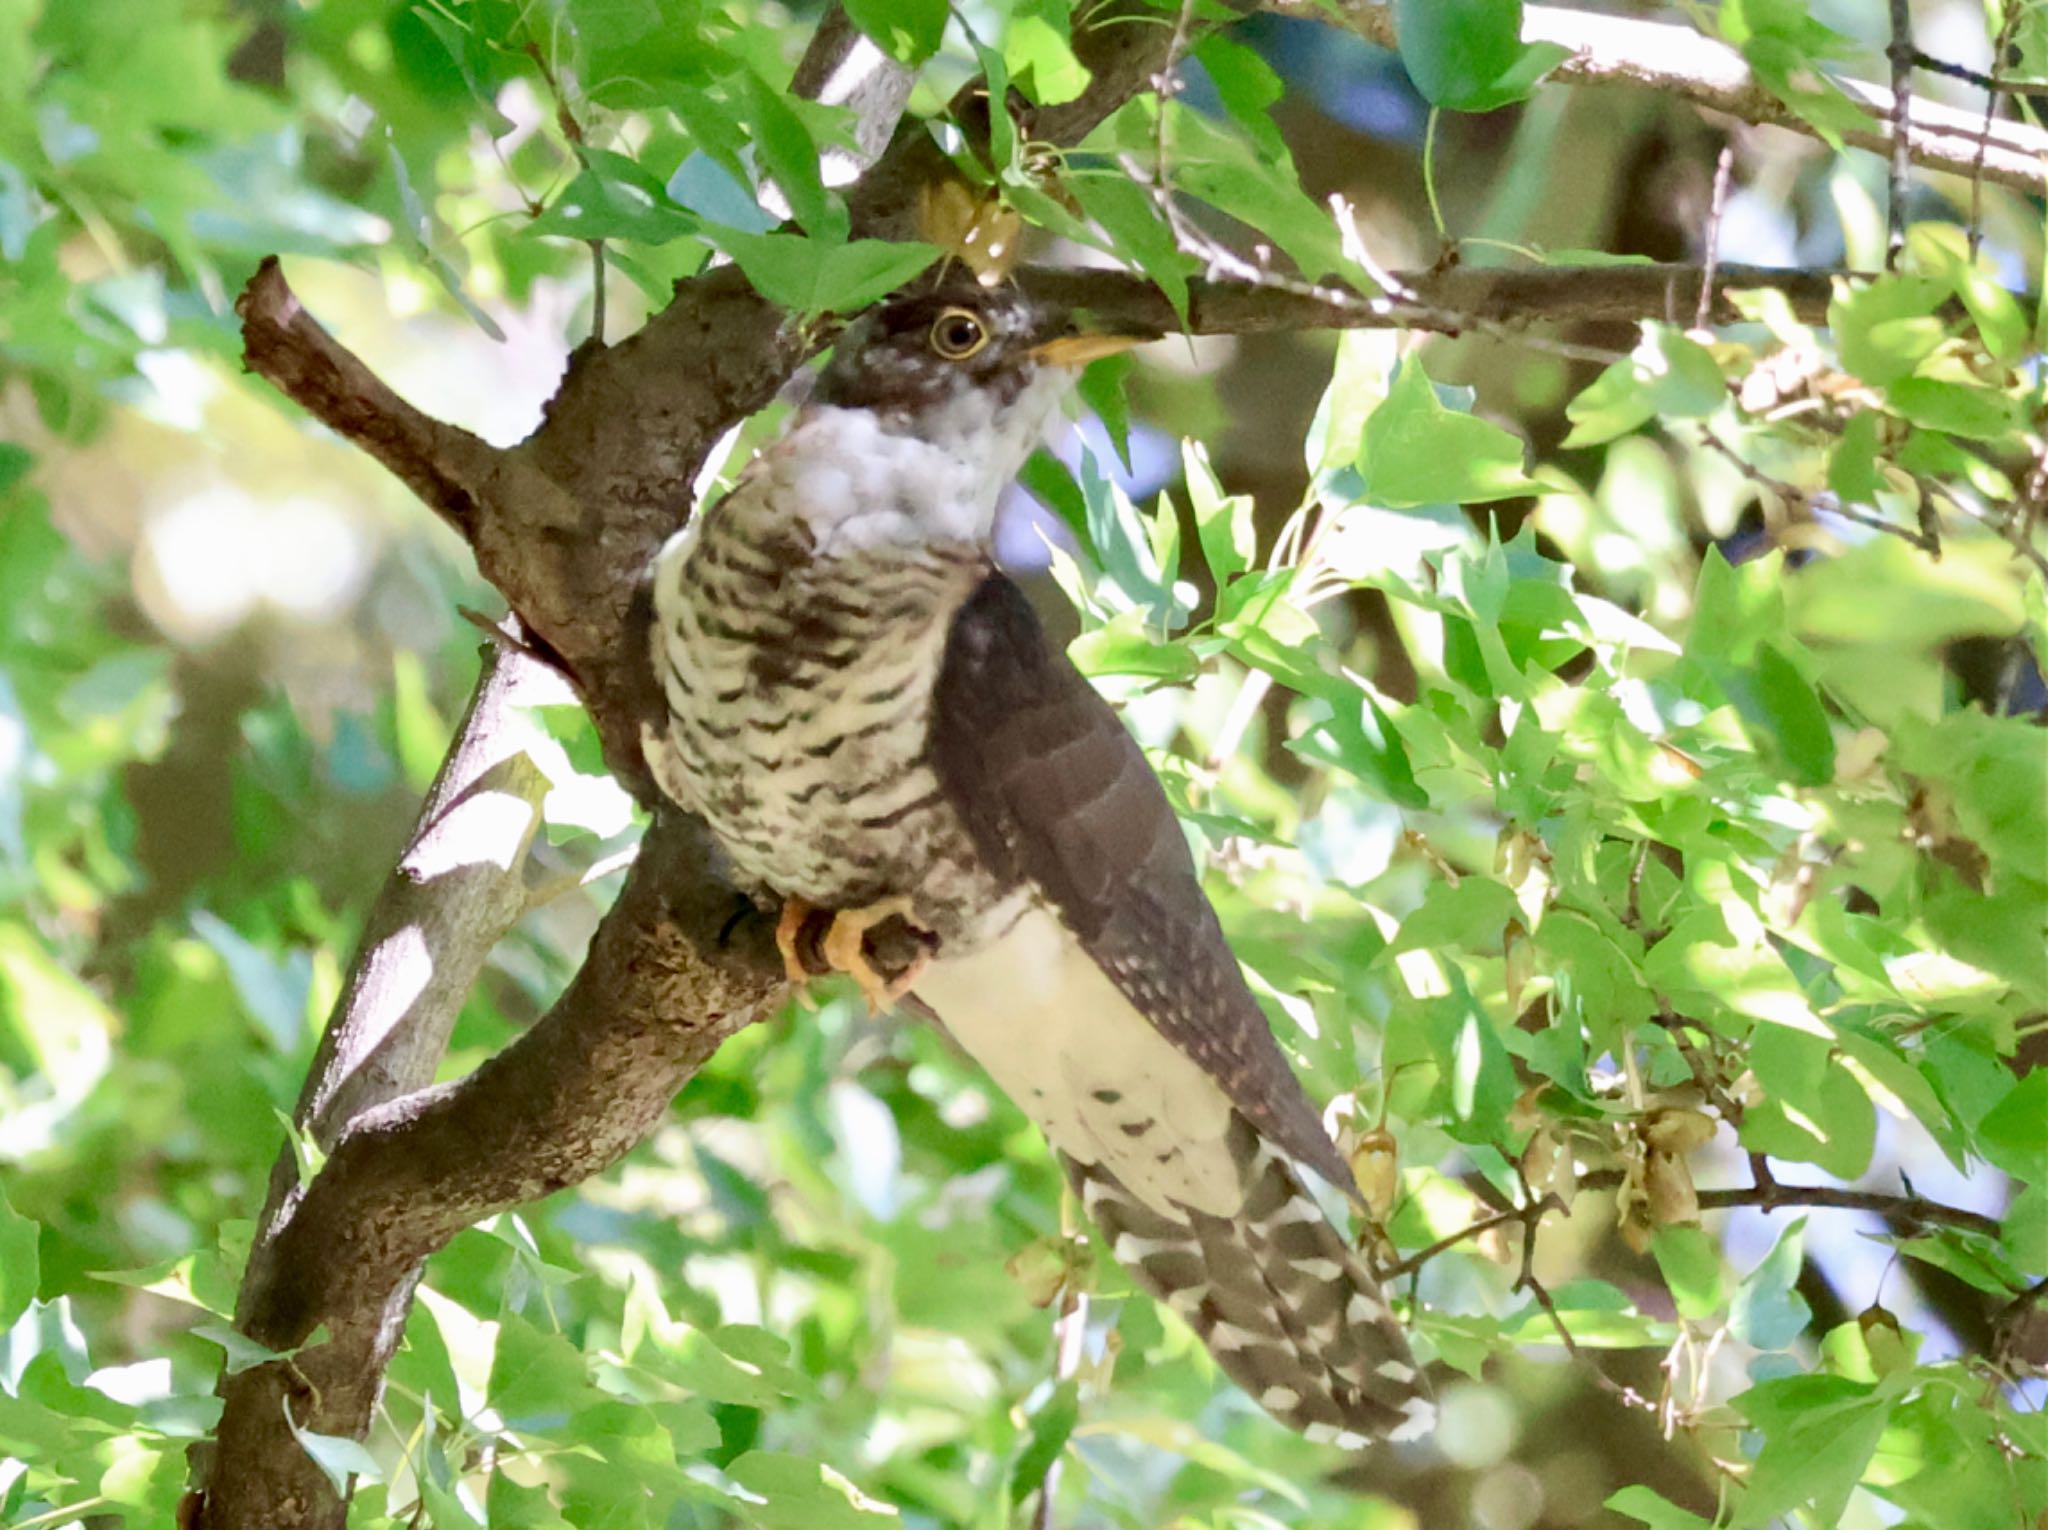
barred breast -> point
(799, 689)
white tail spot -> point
(1363, 1309)
(1420, 1419)
(1230, 1336)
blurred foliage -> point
(1672, 810)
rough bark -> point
(654, 998)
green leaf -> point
(15, 461)
(1990, 769)
(613, 198)
(1668, 374)
(1129, 561)
(1418, 452)
(1102, 390)
(2015, 1134)
(1943, 250)
(1041, 61)
(1814, 1109)
(1347, 728)
(1222, 522)
(810, 276)
(790, 157)
(800, 1494)
(1775, 698)
(19, 1269)
(1975, 413)
(1468, 55)
(1691, 1265)
(1359, 379)
(1819, 1434)
(1048, 480)
(1127, 644)
(1607, 993)
(1248, 87)
(910, 31)
(1051, 1426)
(536, 1376)
(60, 1025)
(241, 1351)
(1853, 472)
(1260, 191)
(1470, 915)
(732, 1364)
(1887, 328)
(705, 186)
(1136, 231)
(1767, 1312)
(338, 1458)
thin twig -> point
(1991, 95)
(1997, 84)
(1808, 502)
(1527, 1281)
(1705, 1072)
(1528, 1215)
(1070, 1331)
(1724, 169)
(1901, 53)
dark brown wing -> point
(1057, 795)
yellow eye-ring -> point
(957, 334)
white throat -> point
(865, 482)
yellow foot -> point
(789, 930)
(845, 950)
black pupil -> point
(961, 333)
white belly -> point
(1106, 1088)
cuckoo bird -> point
(865, 710)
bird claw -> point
(844, 948)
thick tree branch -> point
(654, 998)
(456, 889)
(1678, 61)
(447, 467)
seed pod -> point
(1632, 1201)
(1520, 962)
(1673, 1200)
(1539, 1158)
(1041, 1267)
(1677, 1131)
(1376, 1165)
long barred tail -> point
(1282, 1301)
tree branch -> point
(1461, 297)
(1770, 1194)
(456, 889)
(654, 998)
(447, 467)
(1678, 61)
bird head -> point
(973, 369)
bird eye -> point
(957, 334)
